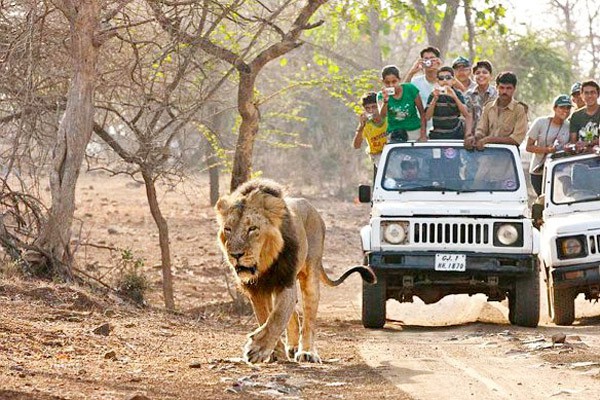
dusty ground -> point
(459, 348)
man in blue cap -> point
(462, 73)
(576, 95)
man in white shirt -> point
(429, 63)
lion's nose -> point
(237, 256)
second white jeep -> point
(569, 217)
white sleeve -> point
(535, 131)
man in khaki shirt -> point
(503, 120)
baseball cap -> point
(461, 61)
(576, 88)
(563, 100)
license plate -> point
(451, 262)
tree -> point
(75, 128)
(432, 17)
(542, 69)
(248, 56)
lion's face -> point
(249, 232)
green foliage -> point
(218, 150)
(131, 281)
(491, 16)
(543, 70)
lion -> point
(270, 242)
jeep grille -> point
(594, 243)
(451, 233)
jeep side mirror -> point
(364, 193)
(536, 211)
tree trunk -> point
(213, 174)
(163, 239)
(470, 29)
(442, 38)
(376, 59)
(242, 161)
(74, 132)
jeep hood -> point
(449, 208)
(576, 223)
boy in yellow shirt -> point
(372, 128)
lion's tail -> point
(366, 274)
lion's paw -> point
(306, 356)
(291, 352)
(256, 351)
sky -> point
(533, 13)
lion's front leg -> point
(262, 341)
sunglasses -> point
(445, 77)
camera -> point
(369, 117)
(427, 63)
(442, 89)
(390, 91)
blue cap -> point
(563, 100)
(461, 62)
(576, 88)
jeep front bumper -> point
(576, 275)
(502, 265)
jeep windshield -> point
(450, 168)
(576, 181)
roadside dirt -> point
(460, 348)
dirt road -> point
(464, 348)
(462, 360)
(459, 348)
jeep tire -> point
(373, 303)
(524, 301)
(563, 306)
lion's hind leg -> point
(309, 285)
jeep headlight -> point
(571, 247)
(508, 234)
(395, 232)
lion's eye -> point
(227, 230)
(252, 229)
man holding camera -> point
(445, 107)
(429, 63)
(371, 127)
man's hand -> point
(470, 142)
(362, 119)
(384, 94)
(417, 66)
(480, 144)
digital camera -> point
(427, 63)
(390, 91)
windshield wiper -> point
(434, 188)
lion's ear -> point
(222, 205)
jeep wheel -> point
(524, 302)
(373, 303)
(563, 306)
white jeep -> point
(458, 223)
(569, 214)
